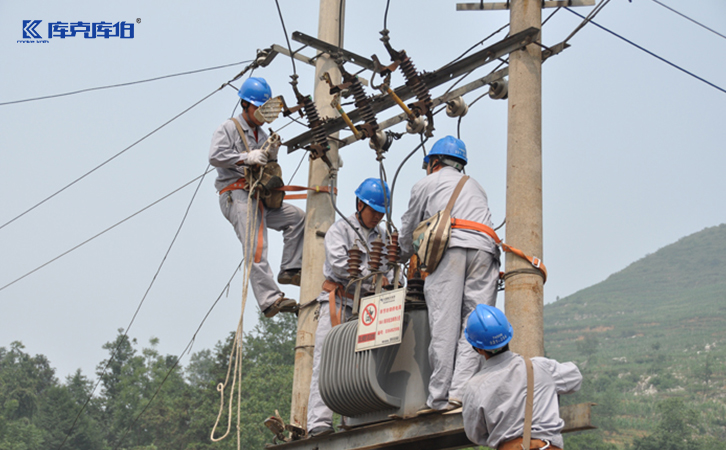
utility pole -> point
(319, 216)
(524, 294)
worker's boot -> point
(282, 304)
(320, 431)
(291, 276)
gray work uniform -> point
(495, 398)
(466, 276)
(339, 238)
(226, 150)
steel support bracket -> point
(433, 79)
(332, 50)
(481, 6)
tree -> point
(674, 430)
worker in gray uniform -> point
(467, 274)
(495, 398)
(238, 143)
(335, 302)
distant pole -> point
(320, 215)
(524, 295)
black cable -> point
(181, 355)
(298, 168)
(138, 308)
(108, 160)
(692, 20)
(340, 23)
(284, 30)
(106, 230)
(476, 45)
(124, 84)
(385, 15)
(395, 176)
(650, 53)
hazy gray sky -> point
(633, 152)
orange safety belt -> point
(325, 189)
(476, 226)
(335, 289)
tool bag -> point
(265, 179)
(431, 236)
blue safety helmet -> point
(448, 146)
(487, 328)
(255, 90)
(371, 193)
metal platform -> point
(430, 432)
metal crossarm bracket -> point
(445, 74)
(332, 50)
(481, 6)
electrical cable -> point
(651, 53)
(181, 355)
(385, 15)
(138, 308)
(284, 30)
(589, 17)
(298, 168)
(476, 45)
(123, 84)
(107, 229)
(692, 20)
(108, 160)
(395, 176)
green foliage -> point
(36, 411)
(649, 333)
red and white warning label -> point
(380, 322)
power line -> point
(651, 53)
(108, 160)
(692, 20)
(385, 15)
(111, 86)
(284, 30)
(106, 230)
(186, 349)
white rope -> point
(236, 353)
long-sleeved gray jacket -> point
(494, 399)
(431, 195)
(227, 149)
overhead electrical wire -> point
(385, 15)
(107, 229)
(284, 30)
(130, 83)
(109, 160)
(651, 53)
(692, 20)
(176, 363)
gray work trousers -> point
(463, 279)
(289, 219)
(319, 415)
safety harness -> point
(476, 226)
(336, 290)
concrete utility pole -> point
(319, 217)
(524, 295)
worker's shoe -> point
(426, 410)
(454, 403)
(291, 276)
(320, 431)
(282, 304)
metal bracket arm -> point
(332, 50)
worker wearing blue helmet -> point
(495, 398)
(335, 302)
(466, 276)
(239, 143)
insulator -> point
(456, 107)
(311, 112)
(375, 255)
(414, 81)
(355, 258)
(415, 290)
(417, 125)
(499, 90)
(392, 248)
(363, 103)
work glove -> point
(256, 157)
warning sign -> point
(380, 322)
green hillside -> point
(654, 331)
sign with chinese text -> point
(380, 322)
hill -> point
(654, 331)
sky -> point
(633, 153)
